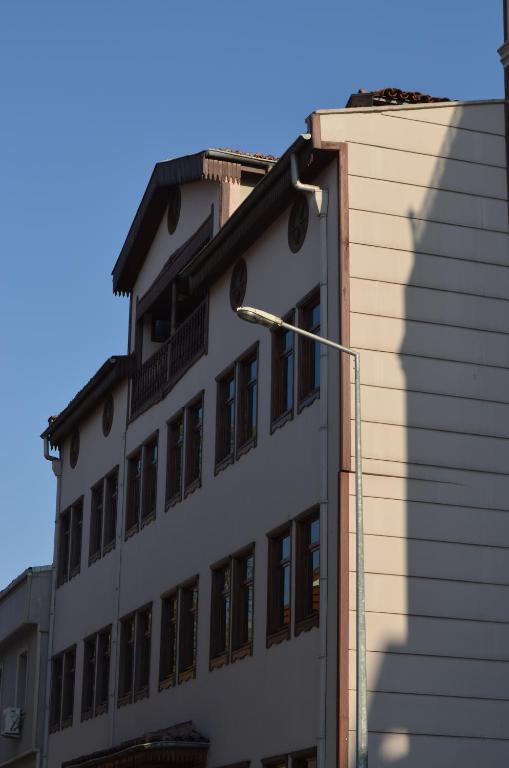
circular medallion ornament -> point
(74, 450)
(174, 203)
(238, 284)
(298, 223)
(107, 415)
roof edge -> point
(31, 570)
(396, 107)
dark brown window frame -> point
(279, 416)
(232, 648)
(174, 474)
(306, 395)
(187, 485)
(224, 403)
(295, 757)
(306, 616)
(276, 630)
(178, 673)
(101, 671)
(133, 689)
(66, 660)
(68, 569)
(136, 507)
(108, 517)
(244, 442)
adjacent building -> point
(24, 628)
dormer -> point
(186, 202)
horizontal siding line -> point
(449, 542)
(446, 657)
(436, 695)
(441, 125)
(473, 470)
(430, 288)
(430, 322)
(439, 430)
(467, 398)
(432, 503)
(433, 735)
(441, 579)
(428, 186)
(406, 614)
(498, 264)
(401, 354)
(431, 221)
(426, 154)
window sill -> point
(94, 558)
(186, 675)
(75, 572)
(108, 547)
(67, 723)
(131, 531)
(218, 661)
(124, 700)
(308, 399)
(86, 715)
(141, 693)
(148, 519)
(246, 447)
(174, 500)
(101, 709)
(224, 463)
(192, 487)
(304, 625)
(54, 728)
(241, 653)
(278, 637)
(167, 682)
(281, 420)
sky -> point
(93, 93)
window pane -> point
(174, 459)
(194, 442)
(89, 663)
(188, 616)
(76, 524)
(103, 669)
(168, 638)
(110, 521)
(134, 488)
(149, 479)
(96, 521)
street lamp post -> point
(253, 315)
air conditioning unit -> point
(11, 722)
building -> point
(24, 625)
(205, 599)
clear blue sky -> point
(93, 93)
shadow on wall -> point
(441, 688)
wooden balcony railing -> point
(163, 369)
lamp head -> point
(253, 315)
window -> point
(168, 650)
(135, 644)
(231, 632)
(307, 573)
(174, 460)
(188, 629)
(309, 351)
(21, 680)
(184, 452)
(62, 689)
(303, 759)
(248, 400)
(194, 443)
(69, 546)
(282, 374)
(96, 674)
(225, 431)
(279, 581)
(103, 516)
(141, 487)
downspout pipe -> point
(318, 198)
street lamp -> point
(259, 316)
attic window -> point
(74, 450)
(298, 223)
(174, 204)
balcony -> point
(157, 375)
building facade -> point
(24, 646)
(204, 548)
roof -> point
(181, 736)
(109, 374)
(33, 569)
(391, 96)
(207, 165)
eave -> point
(114, 370)
(208, 165)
